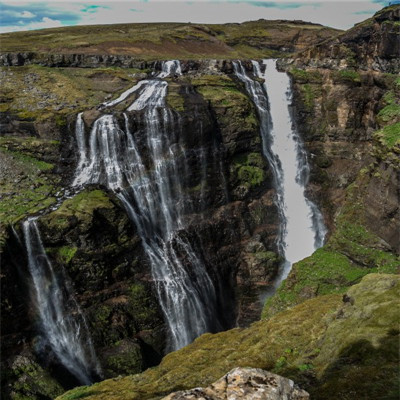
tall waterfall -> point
(151, 196)
(67, 335)
(301, 224)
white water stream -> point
(302, 229)
(66, 334)
(151, 194)
(151, 197)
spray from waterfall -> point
(151, 197)
(301, 224)
(66, 334)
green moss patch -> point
(80, 206)
(66, 254)
(346, 76)
(174, 99)
(390, 135)
(310, 93)
(27, 186)
(391, 111)
(233, 107)
(219, 90)
(306, 76)
(249, 169)
(28, 380)
(144, 310)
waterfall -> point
(301, 224)
(67, 335)
(152, 197)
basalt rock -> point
(370, 45)
(246, 384)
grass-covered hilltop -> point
(332, 326)
(157, 41)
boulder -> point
(246, 384)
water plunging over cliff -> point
(151, 197)
(302, 229)
(66, 334)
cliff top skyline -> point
(18, 15)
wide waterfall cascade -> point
(151, 197)
(302, 228)
(67, 335)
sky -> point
(18, 15)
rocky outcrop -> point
(107, 61)
(370, 45)
(71, 60)
(338, 112)
(246, 384)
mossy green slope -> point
(27, 182)
(40, 93)
(306, 343)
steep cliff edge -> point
(370, 45)
(350, 119)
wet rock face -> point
(338, 113)
(230, 220)
(246, 384)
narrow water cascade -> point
(151, 195)
(62, 325)
(302, 229)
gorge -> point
(148, 205)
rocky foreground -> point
(246, 384)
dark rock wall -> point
(336, 113)
(229, 212)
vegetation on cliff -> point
(330, 346)
(27, 182)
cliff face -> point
(349, 119)
(230, 214)
(370, 45)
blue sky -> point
(16, 15)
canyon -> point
(114, 207)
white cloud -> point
(339, 14)
(44, 23)
(27, 14)
(336, 14)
